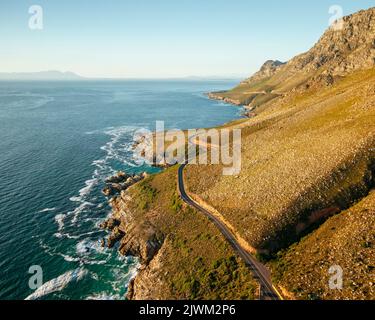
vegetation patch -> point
(194, 261)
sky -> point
(161, 38)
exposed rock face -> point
(141, 242)
(115, 188)
(338, 52)
(268, 69)
(118, 178)
(344, 48)
(116, 235)
(120, 182)
(218, 96)
(110, 224)
(148, 285)
(139, 239)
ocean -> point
(59, 141)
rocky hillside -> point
(269, 68)
(338, 52)
(304, 158)
(304, 199)
(183, 255)
(307, 156)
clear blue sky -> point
(161, 38)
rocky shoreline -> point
(114, 189)
(141, 241)
(248, 109)
(138, 240)
(217, 96)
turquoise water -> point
(59, 141)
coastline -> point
(248, 109)
(134, 240)
(180, 251)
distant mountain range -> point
(58, 75)
(42, 75)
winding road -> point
(267, 291)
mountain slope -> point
(307, 156)
(337, 53)
(346, 240)
(308, 166)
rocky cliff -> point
(268, 69)
(344, 48)
(182, 255)
(347, 47)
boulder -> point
(118, 178)
(110, 224)
(115, 236)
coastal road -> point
(267, 291)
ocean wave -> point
(59, 218)
(103, 296)
(47, 210)
(90, 184)
(87, 205)
(76, 212)
(60, 235)
(58, 284)
(69, 258)
(87, 246)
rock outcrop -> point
(142, 240)
(120, 182)
(138, 238)
(269, 68)
(344, 48)
(114, 189)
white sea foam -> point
(47, 210)
(69, 258)
(76, 212)
(90, 184)
(89, 251)
(60, 221)
(85, 247)
(103, 296)
(58, 283)
(60, 235)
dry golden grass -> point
(305, 157)
(304, 153)
(346, 240)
